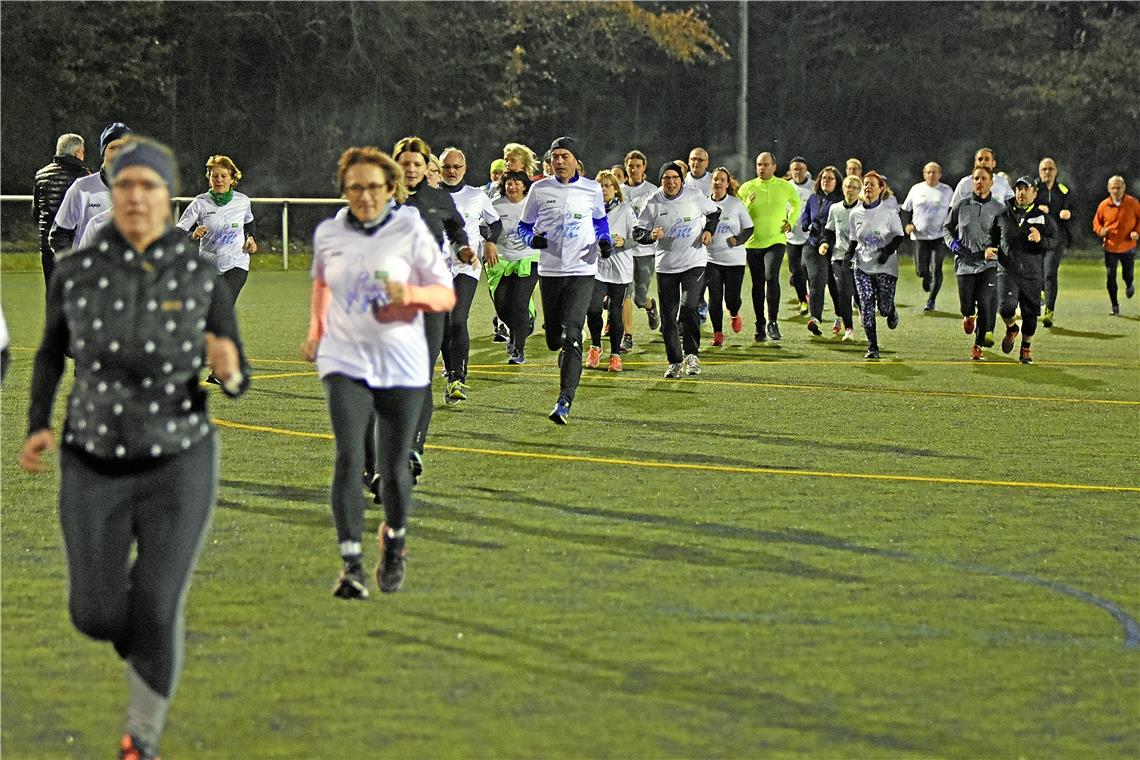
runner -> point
(876, 233)
(923, 212)
(727, 255)
(967, 235)
(615, 274)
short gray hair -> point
(69, 144)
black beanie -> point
(565, 143)
(668, 166)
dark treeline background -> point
(284, 87)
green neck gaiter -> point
(222, 198)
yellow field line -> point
(708, 467)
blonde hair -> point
(518, 150)
(226, 163)
(608, 176)
(393, 176)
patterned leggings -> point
(874, 288)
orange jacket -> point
(1115, 224)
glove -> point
(539, 241)
(605, 248)
(884, 256)
(955, 246)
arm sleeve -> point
(48, 366)
(602, 229)
(906, 215)
(526, 232)
(894, 244)
(805, 216)
(712, 219)
(430, 286)
(319, 300)
(251, 229)
(493, 231)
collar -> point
(452, 188)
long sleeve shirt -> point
(1116, 223)
(969, 223)
(927, 207)
(771, 203)
(875, 230)
(224, 242)
(685, 218)
(571, 216)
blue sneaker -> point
(703, 311)
(561, 412)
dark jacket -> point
(136, 326)
(50, 184)
(438, 209)
(1057, 199)
(1010, 235)
(813, 218)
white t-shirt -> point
(733, 218)
(511, 246)
(565, 214)
(94, 226)
(87, 197)
(476, 209)
(638, 197)
(618, 268)
(1000, 191)
(353, 264)
(797, 236)
(929, 206)
(702, 183)
(224, 241)
(683, 218)
(837, 218)
(872, 229)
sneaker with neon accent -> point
(837, 326)
(803, 308)
(593, 356)
(455, 392)
(131, 748)
(615, 363)
(988, 340)
(350, 584)
(968, 325)
(1047, 320)
(1011, 332)
(737, 323)
(390, 569)
(674, 371)
(813, 326)
(718, 339)
(560, 412)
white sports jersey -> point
(565, 214)
(683, 219)
(476, 209)
(95, 225)
(353, 264)
(702, 183)
(224, 241)
(618, 268)
(733, 218)
(929, 205)
(837, 218)
(86, 198)
(1000, 191)
(638, 197)
(872, 229)
(797, 236)
(511, 246)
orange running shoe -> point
(615, 363)
(593, 357)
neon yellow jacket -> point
(770, 203)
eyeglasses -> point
(454, 167)
(358, 190)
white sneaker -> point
(674, 370)
(692, 365)
(848, 334)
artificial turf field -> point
(797, 554)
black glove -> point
(605, 248)
(539, 241)
(885, 256)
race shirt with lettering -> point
(224, 241)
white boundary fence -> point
(183, 199)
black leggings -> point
(764, 266)
(456, 338)
(978, 293)
(163, 507)
(434, 324)
(235, 280)
(1127, 262)
(845, 287)
(680, 293)
(799, 277)
(512, 303)
(351, 404)
(1053, 258)
(928, 258)
(724, 283)
(818, 270)
(616, 292)
(564, 304)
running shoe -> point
(416, 465)
(390, 569)
(968, 325)
(893, 319)
(455, 392)
(1047, 320)
(773, 331)
(759, 337)
(350, 585)
(615, 363)
(837, 326)
(593, 356)
(1026, 355)
(692, 365)
(737, 323)
(976, 353)
(502, 332)
(131, 748)
(848, 334)
(803, 308)
(654, 316)
(813, 327)
(1130, 289)
(674, 371)
(718, 339)
(872, 353)
(703, 311)
(626, 343)
(1115, 310)
(1010, 334)
(516, 358)
(560, 412)
(988, 340)
(929, 305)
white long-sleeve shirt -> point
(86, 198)
(683, 219)
(618, 268)
(796, 235)
(733, 218)
(929, 207)
(637, 197)
(565, 214)
(872, 229)
(224, 241)
(476, 209)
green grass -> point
(716, 567)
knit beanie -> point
(111, 133)
(143, 151)
(565, 143)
